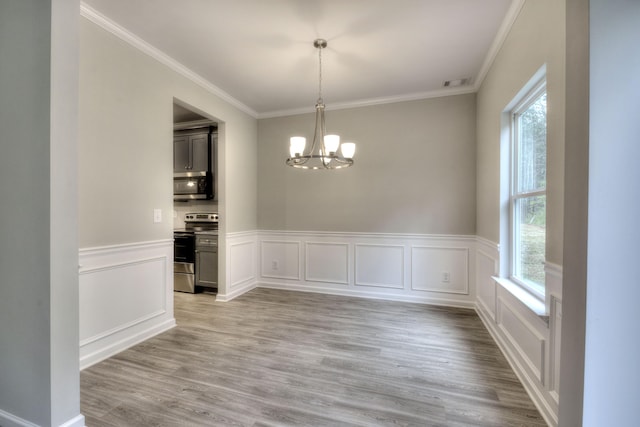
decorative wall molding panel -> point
(126, 297)
(530, 342)
(486, 268)
(371, 265)
(243, 260)
(438, 269)
(555, 326)
(553, 278)
(379, 265)
(331, 262)
(523, 337)
(553, 283)
(280, 259)
(242, 267)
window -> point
(528, 185)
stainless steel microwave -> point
(192, 186)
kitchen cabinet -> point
(191, 152)
(206, 260)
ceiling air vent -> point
(456, 83)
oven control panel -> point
(201, 217)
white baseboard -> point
(10, 420)
(77, 421)
(236, 292)
(370, 295)
(105, 351)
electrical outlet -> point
(446, 277)
(274, 265)
(157, 215)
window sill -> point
(528, 300)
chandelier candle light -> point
(323, 153)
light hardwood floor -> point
(281, 358)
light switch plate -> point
(157, 215)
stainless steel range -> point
(195, 253)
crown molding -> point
(372, 101)
(505, 27)
(138, 43)
(105, 23)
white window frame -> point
(539, 88)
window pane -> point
(532, 146)
(530, 236)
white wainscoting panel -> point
(126, 296)
(369, 265)
(486, 268)
(430, 264)
(380, 265)
(553, 283)
(280, 259)
(241, 269)
(126, 293)
(555, 325)
(242, 263)
(523, 337)
(327, 262)
(529, 339)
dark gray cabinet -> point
(207, 261)
(191, 152)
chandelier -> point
(323, 153)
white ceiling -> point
(260, 52)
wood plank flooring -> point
(282, 358)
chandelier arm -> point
(316, 130)
(323, 132)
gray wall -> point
(536, 38)
(612, 376)
(126, 151)
(39, 375)
(414, 171)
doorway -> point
(195, 206)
